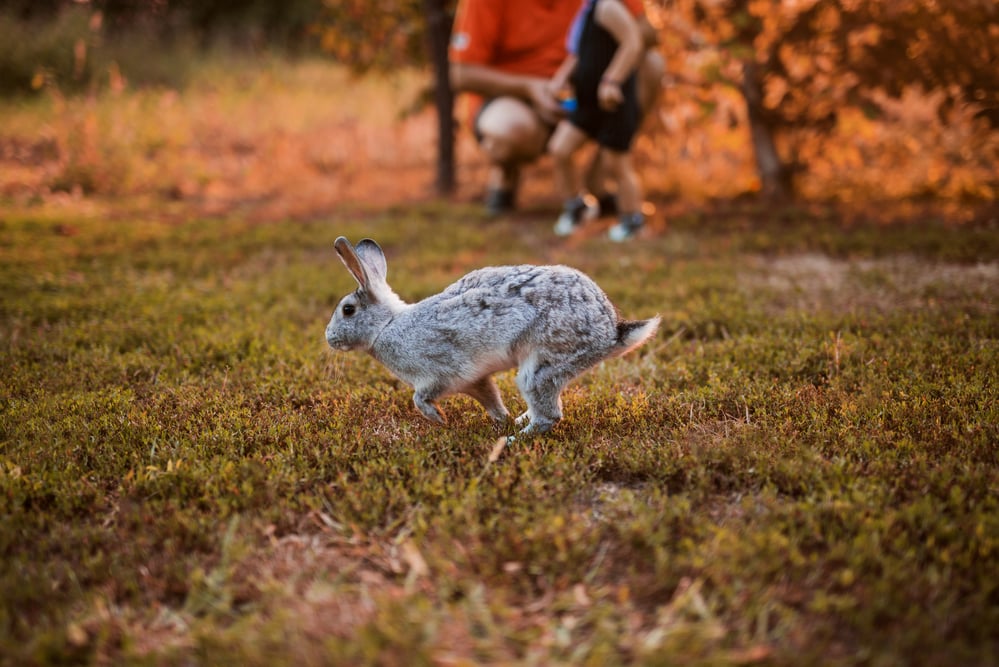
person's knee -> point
(511, 131)
(614, 162)
(612, 159)
(561, 151)
(566, 140)
(511, 142)
(502, 148)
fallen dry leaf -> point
(497, 449)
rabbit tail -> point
(633, 333)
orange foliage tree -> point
(800, 63)
(806, 70)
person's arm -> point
(487, 81)
(650, 36)
(614, 18)
(560, 80)
(491, 82)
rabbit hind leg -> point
(541, 382)
(542, 388)
(485, 391)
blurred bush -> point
(56, 49)
(81, 45)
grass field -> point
(801, 469)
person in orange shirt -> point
(506, 52)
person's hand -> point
(609, 95)
(554, 86)
(544, 100)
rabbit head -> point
(362, 314)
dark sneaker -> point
(499, 201)
(627, 226)
(576, 211)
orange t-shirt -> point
(517, 36)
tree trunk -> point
(775, 176)
(439, 35)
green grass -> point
(801, 469)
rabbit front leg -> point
(425, 398)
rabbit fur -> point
(551, 322)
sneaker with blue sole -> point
(575, 212)
(627, 227)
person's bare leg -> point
(629, 187)
(576, 208)
(564, 143)
(512, 136)
(595, 176)
(511, 131)
(629, 195)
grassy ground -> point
(801, 468)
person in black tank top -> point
(605, 45)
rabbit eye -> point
(349, 309)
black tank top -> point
(596, 49)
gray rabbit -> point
(552, 322)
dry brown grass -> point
(277, 142)
(279, 139)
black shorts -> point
(614, 130)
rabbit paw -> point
(428, 408)
(537, 426)
(533, 425)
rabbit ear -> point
(373, 259)
(353, 263)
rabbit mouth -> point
(345, 345)
(337, 344)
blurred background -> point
(285, 109)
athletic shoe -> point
(576, 211)
(627, 226)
